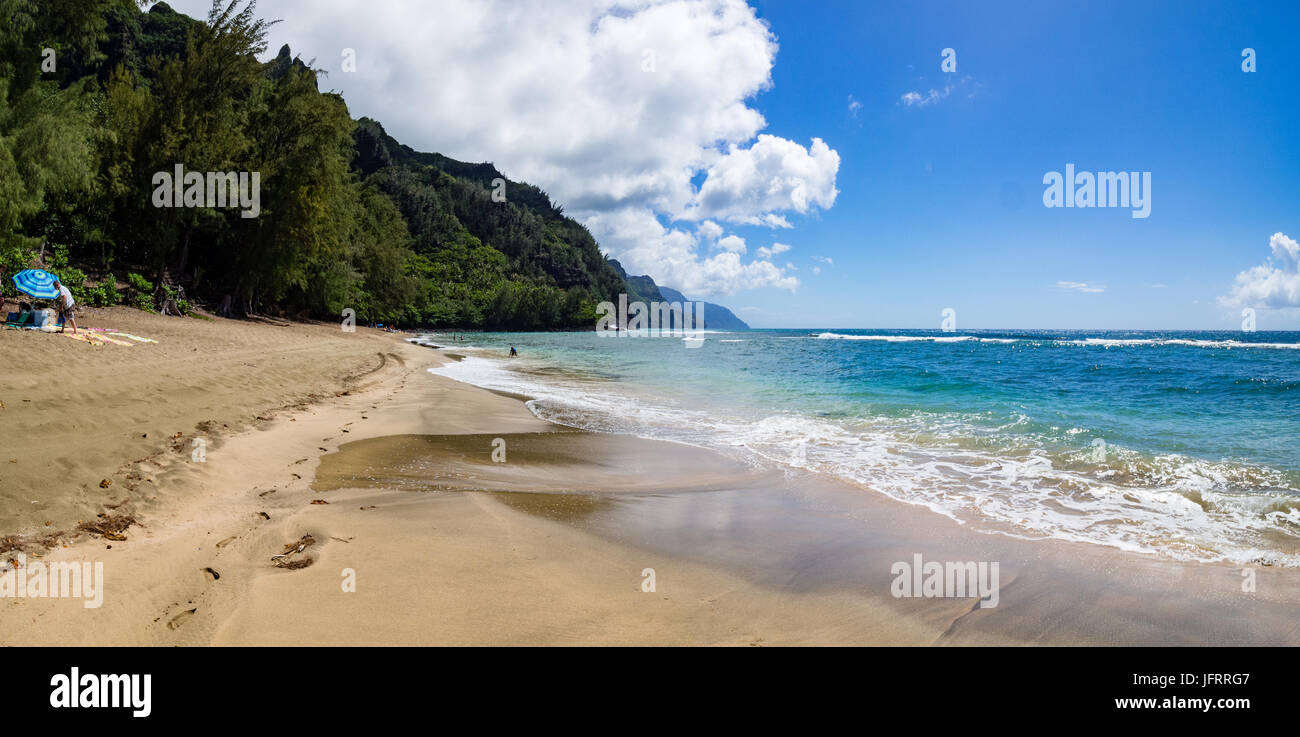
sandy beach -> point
(422, 537)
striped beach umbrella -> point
(36, 283)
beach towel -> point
(84, 338)
(121, 334)
(115, 341)
(136, 338)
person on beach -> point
(513, 352)
(67, 307)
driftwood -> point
(292, 549)
(167, 299)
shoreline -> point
(551, 546)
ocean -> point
(1180, 444)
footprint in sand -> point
(175, 622)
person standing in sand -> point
(67, 306)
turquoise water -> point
(1177, 443)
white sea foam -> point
(1178, 506)
(1102, 342)
(1124, 342)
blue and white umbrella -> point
(36, 283)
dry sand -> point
(442, 545)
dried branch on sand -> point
(292, 549)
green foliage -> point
(349, 218)
(140, 292)
(13, 259)
(75, 280)
(104, 294)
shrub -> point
(140, 290)
(104, 295)
(75, 281)
(13, 260)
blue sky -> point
(793, 113)
(940, 205)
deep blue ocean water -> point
(1184, 444)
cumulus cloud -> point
(1275, 284)
(733, 243)
(1081, 286)
(776, 250)
(749, 185)
(709, 230)
(639, 237)
(617, 108)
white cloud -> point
(750, 185)
(776, 250)
(732, 243)
(1275, 284)
(709, 230)
(639, 237)
(919, 99)
(911, 99)
(557, 93)
(824, 259)
(817, 269)
(1081, 286)
(773, 220)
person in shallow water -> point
(513, 352)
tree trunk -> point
(185, 254)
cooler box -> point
(40, 318)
